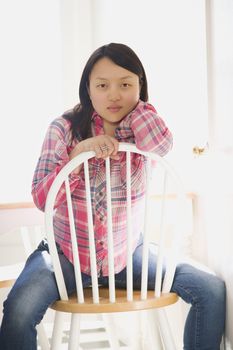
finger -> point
(116, 157)
(116, 145)
(108, 147)
(105, 148)
(112, 145)
(98, 151)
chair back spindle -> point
(145, 252)
(94, 277)
(158, 281)
(129, 268)
(77, 269)
(112, 295)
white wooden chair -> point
(101, 300)
(9, 273)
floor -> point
(93, 336)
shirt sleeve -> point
(149, 129)
(54, 156)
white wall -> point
(43, 48)
(214, 172)
(169, 37)
(30, 85)
(220, 63)
(76, 39)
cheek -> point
(135, 94)
(132, 99)
(96, 100)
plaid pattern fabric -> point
(143, 127)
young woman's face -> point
(114, 91)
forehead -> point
(107, 69)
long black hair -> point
(120, 54)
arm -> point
(54, 156)
(150, 131)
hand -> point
(103, 145)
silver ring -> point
(104, 148)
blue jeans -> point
(35, 290)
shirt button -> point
(101, 243)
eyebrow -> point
(122, 78)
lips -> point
(114, 108)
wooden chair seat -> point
(6, 283)
(121, 304)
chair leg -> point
(143, 326)
(57, 331)
(149, 336)
(165, 331)
(109, 324)
(74, 336)
(42, 337)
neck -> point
(109, 128)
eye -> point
(125, 85)
(102, 86)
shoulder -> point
(143, 111)
(60, 127)
(143, 107)
(60, 124)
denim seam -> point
(194, 299)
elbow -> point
(160, 145)
(165, 143)
(39, 202)
(165, 146)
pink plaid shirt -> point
(143, 127)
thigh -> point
(35, 288)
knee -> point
(199, 287)
(218, 290)
(17, 313)
(214, 292)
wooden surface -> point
(20, 205)
(6, 283)
(121, 304)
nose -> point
(114, 94)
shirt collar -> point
(97, 123)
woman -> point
(113, 108)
